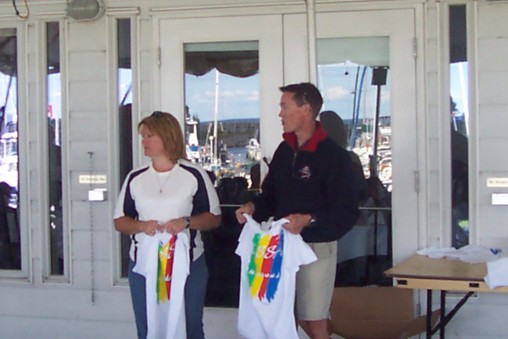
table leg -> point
(442, 321)
(429, 314)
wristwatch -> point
(312, 220)
(186, 221)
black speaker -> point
(379, 76)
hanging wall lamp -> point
(85, 10)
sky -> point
(239, 97)
(459, 86)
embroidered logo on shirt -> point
(305, 172)
(265, 266)
(165, 269)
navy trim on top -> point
(129, 206)
(200, 202)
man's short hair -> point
(305, 93)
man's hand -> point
(247, 208)
(297, 222)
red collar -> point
(311, 144)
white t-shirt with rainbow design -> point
(164, 262)
(269, 262)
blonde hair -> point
(168, 129)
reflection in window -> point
(353, 76)
(222, 134)
(54, 119)
(352, 72)
(124, 74)
(10, 242)
(459, 127)
(222, 107)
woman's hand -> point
(151, 227)
(175, 226)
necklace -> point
(161, 185)
(164, 172)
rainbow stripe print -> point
(166, 255)
(265, 266)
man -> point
(309, 183)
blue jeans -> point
(195, 291)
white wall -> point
(487, 54)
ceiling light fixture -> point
(85, 10)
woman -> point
(169, 196)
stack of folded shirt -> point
(470, 253)
(497, 273)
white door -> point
(220, 77)
(397, 123)
(350, 45)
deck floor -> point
(220, 323)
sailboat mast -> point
(216, 115)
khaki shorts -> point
(315, 283)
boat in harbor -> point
(253, 150)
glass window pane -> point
(124, 72)
(353, 76)
(459, 126)
(222, 107)
(54, 93)
(222, 134)
(10, 241)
